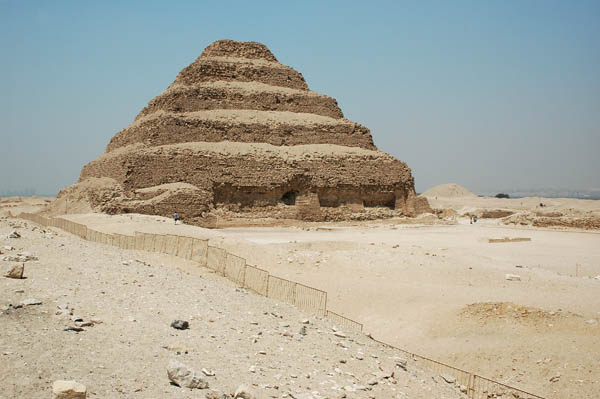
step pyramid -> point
(238, 131)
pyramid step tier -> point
(251, 165)
(272, 127)
(211, 69)
(241, 95)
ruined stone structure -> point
(238, 131)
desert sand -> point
(439, 290)
(129, 300)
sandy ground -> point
(440, 290)
(134, 296)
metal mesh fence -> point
(199, 251)
(257, 280)
(484, 388)
(159, 242)
(216, 259)
(281, 289)
(184, 247)
(310, 299)
(235, 268)
(344, 322)
(170, 244)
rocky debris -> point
(555, 378)
(68, 390)
(8, 248)
(15, 272)
(180, 324)
(21, 257)
(512, 277)
(64, 310)
(14, 234)
(184, 376)
(208, 373)
(216, 394)
(243, 392)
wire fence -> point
(262, 282)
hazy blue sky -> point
(491, 95)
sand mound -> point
(450, 190)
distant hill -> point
(450, 190)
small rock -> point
(180, 324)
(183, 376)
(306, 321)
(243, 392)
(400, 362)
(14, 234)
(68, 390)
(339, 334)
(31, 302)
(15, 272)
(9, 248)
(372, 381)
(73, 328)
(448, 378)
(302, 330)
(555, 378)
(215, 394)
(208, 373)
(597, 277)
(463, 389)
(512, 277)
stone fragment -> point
(448, 378)
(216, 394)
(339, 334)
(512, 277)
(15, 272)
(400, 362)
(555, 378)
(68, 390)
(372, 381)
(184, 376)
(243, 392)
(208, 373)
(31, 302)
(180, 324)
(14, 234)
(73, 328)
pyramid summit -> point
(239, 132)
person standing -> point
(176, 217)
